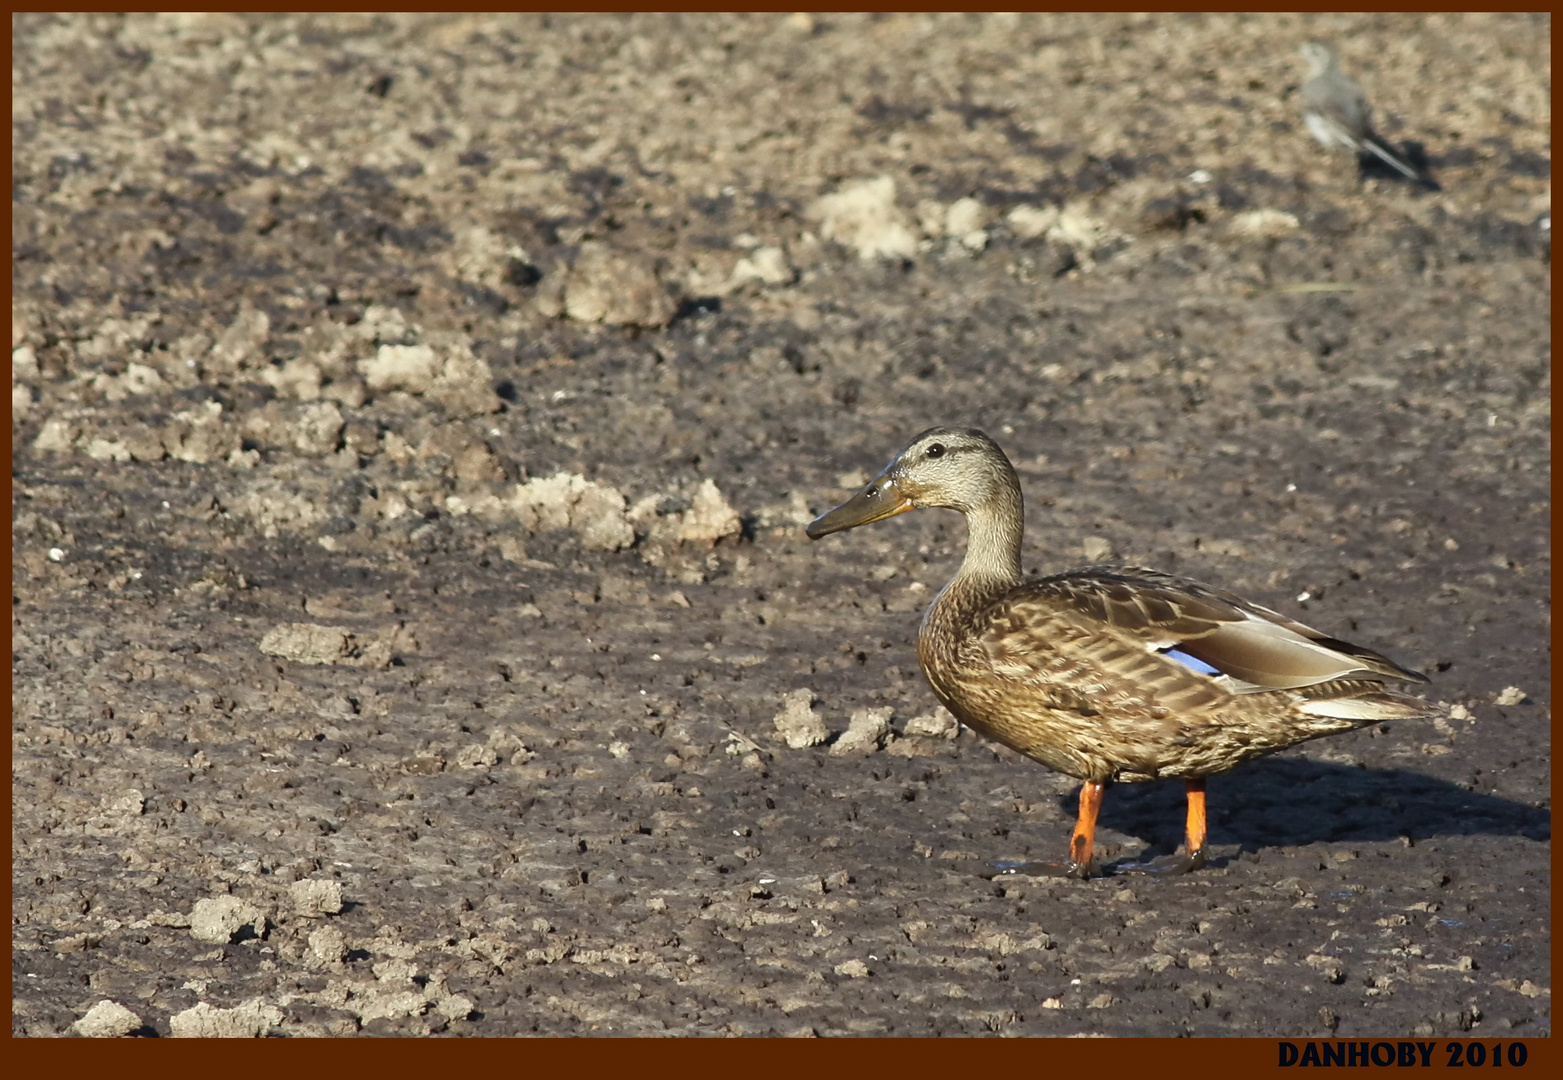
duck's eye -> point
(936, 450)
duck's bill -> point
(876, 502)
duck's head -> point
(958, 468)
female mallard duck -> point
(1112, 672)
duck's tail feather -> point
(1370, 707)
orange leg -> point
(1194, 835)
(1083, 841)
(1193, 840)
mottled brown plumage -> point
(1081, 670)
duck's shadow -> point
(1289, 802)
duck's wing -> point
(1116, 618)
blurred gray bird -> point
(1337, 113)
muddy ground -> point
(414, 419)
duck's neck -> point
(991, 568)
(993, 532)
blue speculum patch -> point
(1192, 662)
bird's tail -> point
(1371, 707)
(1392, 157)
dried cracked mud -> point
(414, 419)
